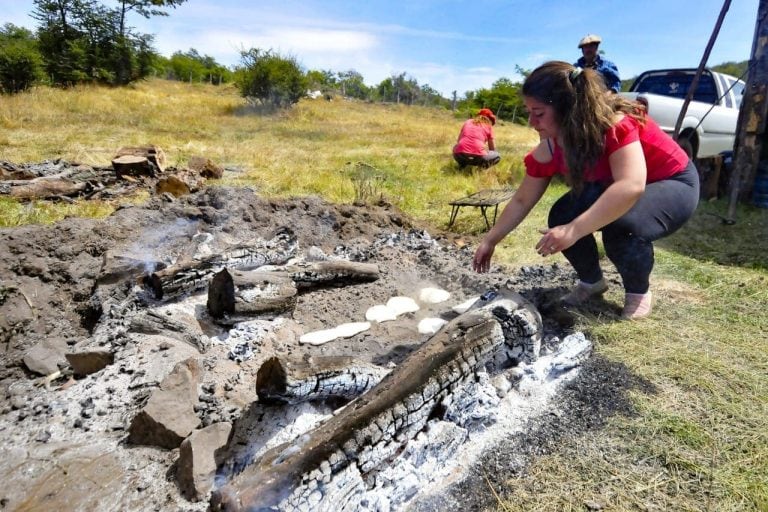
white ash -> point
(476, 418)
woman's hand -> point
(482, 259)
(556, 239)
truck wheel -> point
(685, 141)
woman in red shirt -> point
(475, 134)
(628, 179)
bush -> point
(271, 79)
(20, 60)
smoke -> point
(156, 246)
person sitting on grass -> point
(628, 179)
(475, 135)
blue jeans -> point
(662, 209)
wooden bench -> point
(483, 199)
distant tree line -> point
(82, 41)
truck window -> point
(737, 91)
(677, 85)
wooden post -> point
(751, 145)
(700, 70)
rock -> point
(169, 416)
(44, 358)
(87, 362)
(15, 311)
(206, 167)
(197, 461)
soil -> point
(66, 438)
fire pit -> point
(184, 324)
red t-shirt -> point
(663, 156)
(472, 138)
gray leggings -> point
(662, 209)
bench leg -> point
(454, 212)
(485, 216)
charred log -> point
(151, 322)
(234, 296)
(318, 378)
(191, 275)
(334, 273)
(47, 189)
(325, 468)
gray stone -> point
(197, 460)
(87, 362)
(169, 416)
(44, 358)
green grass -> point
(699, 443)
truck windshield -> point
(677, 85)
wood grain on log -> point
(235, 296)
(151, 322)
(306, 473)
(152, 153)
(130, 165)
(191, 275)
(45, 189)
(318, 378)
(332, 272)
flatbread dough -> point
(352, 328)
(340, 331)
(319, 337)
(402, 305)
(433, 295)
(431, 325)
(380, 313)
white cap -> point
(589, 38)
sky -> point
(450, 45)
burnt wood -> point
(191, 275)
(331, 272)
(235, 296)
(324, 467)
(318, 378)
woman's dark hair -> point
(584, 109)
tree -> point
(86, 41)
(353, 86)
(504, 98)
(190, 66)
(125, 58)
(323, 80)
(60, 40)
(20, 60)
(145, 8)
(270, 78)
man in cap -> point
(591, 59)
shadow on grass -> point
(707, 237)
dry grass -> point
(700, 443)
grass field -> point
(700, 442)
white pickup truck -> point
(709, 125)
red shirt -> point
(663, 156)
(472, 138)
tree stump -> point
(131, 165)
